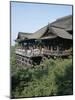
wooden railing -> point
(29, 53)
(37, 52)
(56, 53)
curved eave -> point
(19, 40)
(48, 37)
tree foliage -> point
(51, 77)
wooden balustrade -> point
(37, 52)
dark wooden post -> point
(51, 49)
(57, 49)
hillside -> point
(50, 78)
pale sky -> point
(29, 17)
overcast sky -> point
(29, 17)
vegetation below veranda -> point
(50, 78)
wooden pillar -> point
(48, 47)
(57, 48)
(51, 49)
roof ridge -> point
(64, 17)
(40, 29)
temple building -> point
(53, 40)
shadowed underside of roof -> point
(59, 28)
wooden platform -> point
(32, 58)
